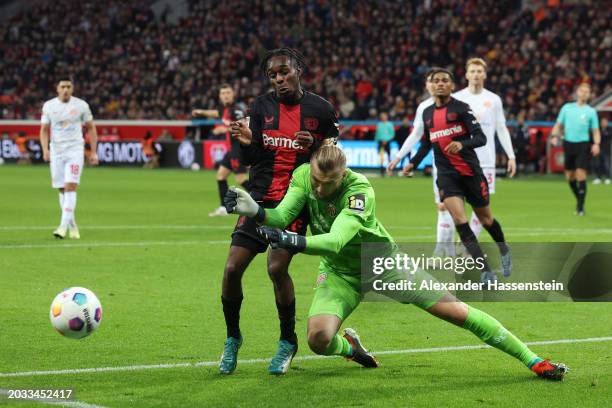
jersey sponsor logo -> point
(452, 131)
(357, 202)
(311, 123)
(283, 142)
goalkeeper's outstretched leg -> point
(490, 331)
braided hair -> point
(295, 56)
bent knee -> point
(278, 271)
(319, 340)
(233, 270)
(486, 220)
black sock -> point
(497, 234)
(574, 186)
(286, 315)
(222, 189)
(471, 244)
(582, 190)
(231, 311)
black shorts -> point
(386, 146)
(577, 155)
(245, 234)
(474, 189)
(231, 161)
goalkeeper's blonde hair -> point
(329, 159)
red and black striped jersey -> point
(453, 122)
(230, 114)
(274, 152)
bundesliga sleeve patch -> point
(357, 202)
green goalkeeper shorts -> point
(340, 294)
(335, 294)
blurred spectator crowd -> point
(364, 56)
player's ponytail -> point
(329, 159)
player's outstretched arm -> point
(238, 201)
(345, 227)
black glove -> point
(278, 238)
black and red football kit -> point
(459, 174)
(231, 159)
(274, 153)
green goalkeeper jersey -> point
(339, 224)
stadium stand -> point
(130, 63)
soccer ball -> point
(76, 312)
(195, 166)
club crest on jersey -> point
(357, 202)
(311, 123)
(331, 210)
(321, 278)
(268, 119)
(452, 116)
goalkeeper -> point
(342, 217)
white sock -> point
(445, 232)
(68, 209)
(61, 200)
(475, 225)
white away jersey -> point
(66, 121)
(489, 112)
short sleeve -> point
(562, 113)
(594, 121)
(45, 119)
(87, 116)
(332, 127)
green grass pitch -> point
(155, 259)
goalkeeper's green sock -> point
(339, 346)
(489, 330)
